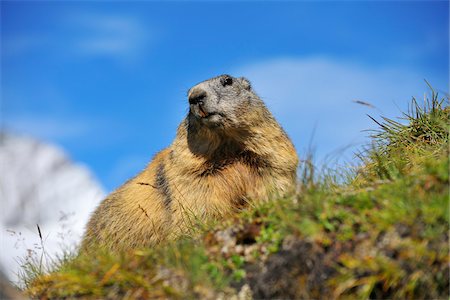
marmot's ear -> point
(245, 83)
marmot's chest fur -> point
(228, 151)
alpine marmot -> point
(228, 151)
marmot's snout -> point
(197, 96)
(197, 101)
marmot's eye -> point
(226, 80)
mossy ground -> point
(380, 232)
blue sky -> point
(108, 81)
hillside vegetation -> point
(376, 231)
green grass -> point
(380, 232)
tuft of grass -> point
(396, 148)
(380, 232)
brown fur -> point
(205, 173)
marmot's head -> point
(221, 102)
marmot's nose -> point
(197, 96)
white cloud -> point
(122, 38)
(109, 35)
(317, 95)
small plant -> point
(396, 146)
